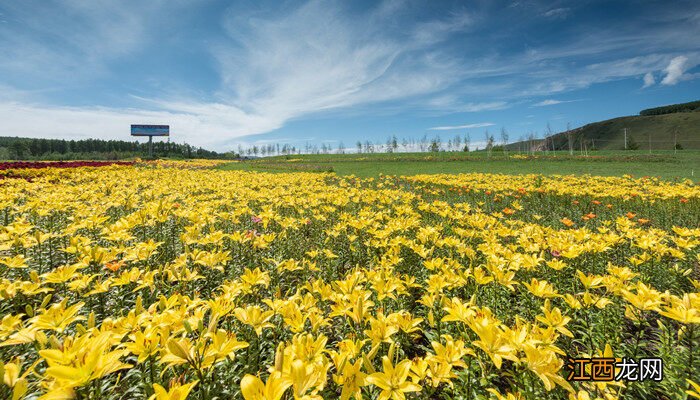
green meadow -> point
(683, 164)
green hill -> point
(659, 132)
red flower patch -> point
(59, 164)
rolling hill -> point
(657, 128)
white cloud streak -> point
(675, 70)
(316, 59)
(649, 80)
(558, 13)
(552, 102)
(468, 126)
(477, 107)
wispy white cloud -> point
(273, 69)
(558, 13)
(551, 102)
(649, 80)
(488, 106)
(675, 71)
(559, 79)
(29, 120)
(435, 31)
(468, 126)
(71, 40)
(315, 58)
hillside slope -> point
(659, 132)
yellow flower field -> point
(171, 281)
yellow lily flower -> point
(176, 392)
(255, 317)
(393, 380)
(58, 317)
(253, 387)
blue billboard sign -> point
(150, 130)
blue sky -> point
(225, 73)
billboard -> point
(150, 130)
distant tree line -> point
(15, 148)
(392, 145)
(424, 144)
(673, 108)
(269, 150)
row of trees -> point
(458, 143)
(392, 145)
(673, 108)
(434, 144)
(571, 140)
(271, 149)
(56, 149)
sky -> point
(230, 73)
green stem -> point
(689, 367)
(152, 369)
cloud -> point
(551, 102)
(219, 122)
(649, 80)
(71, 40)
(468, 126)
(558, 13)
(435, 31)
(315, 58)
(675, 70)
(477, 107)
(272, 68)
(273, 65)
(557, 79)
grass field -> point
(663, 164)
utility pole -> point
(625, 138)
(675, 141)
